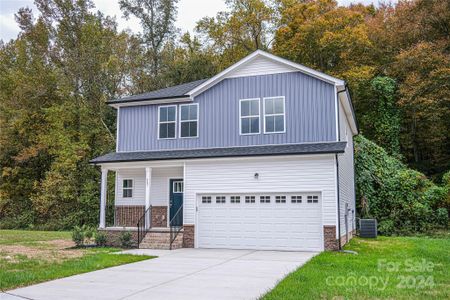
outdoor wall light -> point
(256, 176)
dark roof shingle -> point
(169, 92)
(291, 149)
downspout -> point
(337, 172)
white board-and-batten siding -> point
(159, 189)
(285, 174)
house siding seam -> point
(279, 174)
(346, 176)
(310, 115)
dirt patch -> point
(60, 244)
(55, 250)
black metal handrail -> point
(175, 229)
(142, 229)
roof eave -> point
(137, 102)
(316, 152)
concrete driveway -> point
(177, 274)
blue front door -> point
(176, 202)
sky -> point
(189, 12)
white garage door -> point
(286, 221)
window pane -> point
(245, 125)
(254, 107)
(193, 112)
(254, 125)
(127, 193)
(193, 128)
(184, 129)
(279, 109)
(171, 113)
(245, 108)
(163, 114)
(163, 131)
(171, 130)
(268, 106)
(189, 129)
(279, 123)
(270, 124)
(184, 113)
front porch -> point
(145, 201)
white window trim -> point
(278, 114)
(167, 122)
(250, 116)
(196, 120)
(132, 188)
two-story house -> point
(259, 156)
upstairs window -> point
(127, 188)
(189, 120)
(249, 116)
(167, 122)
(274, 115)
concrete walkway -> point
(177, 274)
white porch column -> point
(148, 183)
(103, 197)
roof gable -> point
(263, 63)
(260, 65)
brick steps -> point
(160, 239)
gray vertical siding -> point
(310, 115)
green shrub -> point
(78, 236)
(442, 217)
(100, 238)
(386, 227)
(88, 232)
(403, 200)
(126, 239)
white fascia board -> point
(219, 77)
(349, 113)
(148, 102)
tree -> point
(384, 116)
(234, 34)
(157, 18)
(324, 36)
(27, 88)
(187, 61)
(64, 66)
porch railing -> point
(144, 225)
(175, 225)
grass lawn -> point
(28, 257)
(385, 268)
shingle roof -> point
(169, 92)
(291, 149)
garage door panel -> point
(265, 226)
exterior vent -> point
(368, 228)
